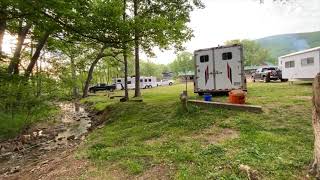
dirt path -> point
(41, 151)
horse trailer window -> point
(119, 80)
(146, 80)
(141, 80)
(204, 58)
(307, 61)
(129, 82)
(149, 80)
(227, 55)
(289, 64)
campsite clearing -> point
(156, 138)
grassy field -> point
(157, 138)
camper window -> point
(289, 64)
(129, 82)
(204, 58)
(119, 80)
(227, 55)
(307, 61)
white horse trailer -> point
(301, 66)
(145, 82)
(219, 69)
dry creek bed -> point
(45, 142)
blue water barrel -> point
(207, 97)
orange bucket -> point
(237, 97)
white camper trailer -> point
(302, 65)
(145, 82)
(219, 69)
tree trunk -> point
(315, 167)
(137, 92)
(125, 57)
(36, 55)
(14, 63)
(3, 25)
(74, 78)
(89, 77)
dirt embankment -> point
(38, 151)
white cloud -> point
(224, 20)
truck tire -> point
(266, 78)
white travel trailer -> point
(145, 82)
(219, 69)
(302, 65)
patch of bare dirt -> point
(156, 172)
(309, 98)
(155, 141)
(215, 135)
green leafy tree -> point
(160, 24)
(183, 63)
(254, 54)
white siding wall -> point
(298, 71)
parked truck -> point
(219, 69)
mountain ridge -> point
(279, 45)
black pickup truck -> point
(268, 73)
(102, 87)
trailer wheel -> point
(170, 83)
(284, 80)
(150, 86)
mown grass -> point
(138, 136)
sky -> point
(223, 20)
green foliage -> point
(277, 143)
(23, 103)
(149, 68)
(254, 54)
(183, 63)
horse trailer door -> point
(228, 68)
(204, 70)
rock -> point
(25, 138)
(18, 147)
(6, 156)
(2, 149)
(14, 169)
(35, 134)
(71, 137)
(60, 138)
(44, 162)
